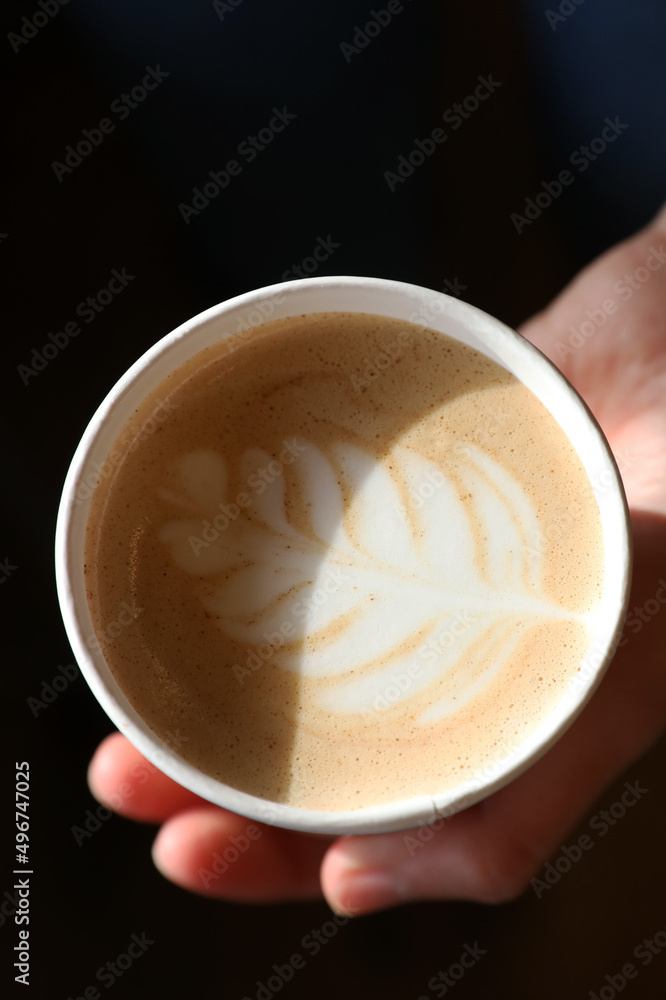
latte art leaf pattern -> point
(398, 581)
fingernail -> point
(361, 892)
(364, 874)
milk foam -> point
(393, 589)
(351, 597)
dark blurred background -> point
(223, 68)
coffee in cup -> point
(360, 561)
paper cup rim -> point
(504, 345)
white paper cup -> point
(343, 294)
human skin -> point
(489, 852)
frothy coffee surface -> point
(333, 562)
